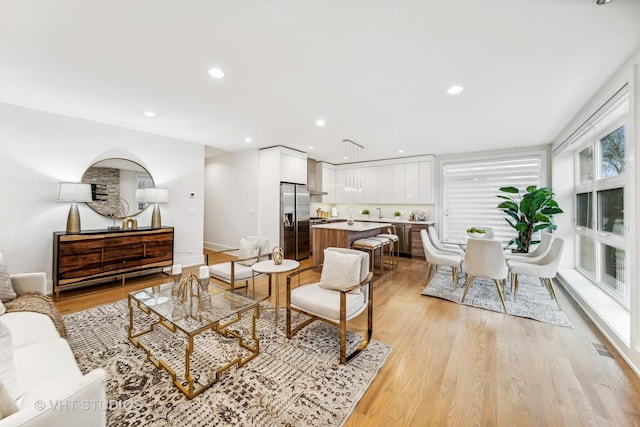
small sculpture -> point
(129, 222)
(277, 255)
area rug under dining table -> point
(291, 382)
(533, 300)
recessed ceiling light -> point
(149, 114)
(320, 122)
(400, 151)
(216, 73)
(311, 147)
(248, 140)
(454, 90)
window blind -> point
(470, 193)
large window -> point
(600, 203)
(470, 191)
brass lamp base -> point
(73, 220)
(156, 222)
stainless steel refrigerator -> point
(294, 221)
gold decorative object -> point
(129, 222)
(277, 255)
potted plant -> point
(530, 213)
(397, 214)
(365, 213)
(476, 233)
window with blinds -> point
(470, 193)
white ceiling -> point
(376, 71)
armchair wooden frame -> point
(232, 281)
(342, 324)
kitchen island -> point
(341, 235)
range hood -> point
(314, 179)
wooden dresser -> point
(91, 256)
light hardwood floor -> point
(464, 366)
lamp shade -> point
(152, 195)
(74, 192)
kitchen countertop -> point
(356, 226)
(392, 221)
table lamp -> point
(155, 196)
(74, 192)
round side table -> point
(268, 267)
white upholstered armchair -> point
(345, 290)
(252, 249)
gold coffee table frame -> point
(237, 306)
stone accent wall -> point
(106, 182)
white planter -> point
(476, 235)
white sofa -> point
(56, 393)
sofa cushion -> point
(44, 362)
(8, 370)
(326, 303)
(7, 404)
(28, 327)
(37, 303)
(223, 271)
(6, 289)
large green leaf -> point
(509, 205)
(512, 190)
(542, 226)
(531, 188)
(521, 226)
(542, 218)
(552, 211)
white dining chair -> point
(539, 251)
(435, 240)
(544, 268)
(435, 258)
(485, 258)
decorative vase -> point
(204, 299)
(277, 255)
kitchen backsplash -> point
(386, 210)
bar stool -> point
(386, 248)
(394, 244)
(370, 245)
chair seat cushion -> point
(223, 271)
(326, 303)
(393, 237)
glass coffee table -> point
(155, 306)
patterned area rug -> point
(533, 299)
(291, 382)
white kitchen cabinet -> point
(328, 184)
(385, 184)
(425, 173)
(370, 185)
(398, 183)
(338, 188)
(411, 183)
(293, 169)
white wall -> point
(231, 207)
(38, 150)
